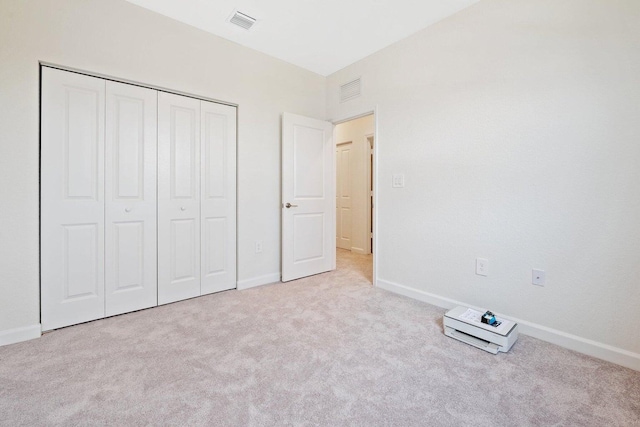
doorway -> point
(354, 140)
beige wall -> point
(356, 131)
(116, 38)
(516, 124)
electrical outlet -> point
(258, 246)
(482, 267)
(538, 277)
(398, 180)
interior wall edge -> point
(585, 346)
(16, 335)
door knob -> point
(289, 205)
(127, 209)
(182, 208)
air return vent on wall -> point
(242, 20)
(350, 90)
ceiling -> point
(322, 36)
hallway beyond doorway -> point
(355, 268)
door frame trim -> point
(346, 118)
(369, 162)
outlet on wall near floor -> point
(538, 277)
(258, 246)
(398, 180)
(482, 266)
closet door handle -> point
(289, 205)
(127, 210)
(182, 208)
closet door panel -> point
(218, 150)
(72, 198)
(178, 197)
(130, 193)
(184, 245)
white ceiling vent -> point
(350, 90)
(242, 20)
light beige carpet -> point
(328, 350)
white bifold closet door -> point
(178, 197)
(196, 197)
(130, 194)
(218, 209)
(98, 223)
(72, 198)
(138, 198)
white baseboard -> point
(16, 335)
(258, 281)
(596, 349)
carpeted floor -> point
(327, 350)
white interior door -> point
(178, 197)
(308, 201)
(343, 195)
(130, 194)
(218, 203)
(72, 198)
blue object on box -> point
(488, 318)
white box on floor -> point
(464, 324)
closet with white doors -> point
(138, 197)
